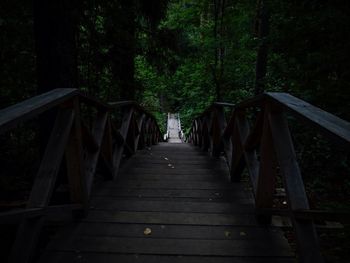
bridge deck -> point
(171, 204)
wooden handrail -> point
(81, 145)
(269, 137)
(28, 109)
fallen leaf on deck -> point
(147, 231)
(242, 233)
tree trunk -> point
(262, 56)
(123, 50)
(55, 26)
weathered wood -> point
(193, 206)
(30, 108)
(224, 104)
(307, 214)
(170, 218)
(69, 137)
(119, 145)
(107, 149)
(305, 232)
(29, 229)
(327, 123)
(267, 172)
(50, 164)
(178, 231)
(72, 257)
(75, 163)
(177, 211)
(274, 139)
(93, 157)
(128, 183)
(139, 124)
(213, 194)
(173, 246)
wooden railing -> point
(264, 147)
(81, 145)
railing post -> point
(267, 171)
(305, 232)
(218, 125)
(107, 148)
(121, 140)
(205, 134)
(75, 163)
(239, 134)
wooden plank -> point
(170, 218)
(32, 107)
(107, 149)
(270, 234)
(183, 199)
(177, 165)
(74, 161)
(73, 257)
(306, 236)
(139, 124)
(267, 172)
(215, 132)
(174, 193)
(170, 177)
(250, 156)
(192, 185)
(237, 156)
(92, 157)
(327, 123)
(173, 246)
(102, 203)
(308, 214)
(224, 104)
(174, 171)
(154, 160)
(119, 146)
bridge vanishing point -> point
(168, 201)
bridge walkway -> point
(170, 203)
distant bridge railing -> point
(265, 148)
(81, 145)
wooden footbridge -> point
(167, 202)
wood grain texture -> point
(192, 213)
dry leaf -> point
(242, 233)
(147, 231)
(227, 234)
